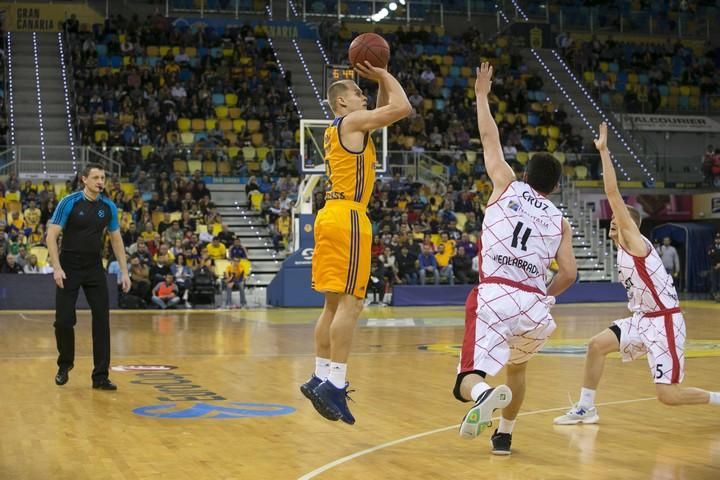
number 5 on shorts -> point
(658, 370)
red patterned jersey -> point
(521, 235)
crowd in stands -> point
(650, 77)
(437, 73)
(177, 243)
(161, 97)
(711, 166)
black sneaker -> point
(62, 377)
(105, 384)
(501, 443)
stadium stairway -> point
(593, 251)
(251, 227)
(563, 87)
(40, 114)
(306, 64)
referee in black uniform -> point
(83, 216)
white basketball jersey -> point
(521, 234)
(649, 287)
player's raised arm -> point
(567, 267)
(499, 171)
(629, 235)
(397, 107)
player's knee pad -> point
(458, 382)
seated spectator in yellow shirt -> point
(235, 275)
(32, 215)
(216, 249)
(442, 257)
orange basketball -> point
(371, 47)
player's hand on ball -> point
(601, 142)
(126, 284)
(483, 83)
(59, 276)
(366, 70)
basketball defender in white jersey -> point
(656, 327)
(508, 317)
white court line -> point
(355, 455)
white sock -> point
(506, 426)
(322, 367)
(337, 374)
(478, 389)
(587, 398)
(714, 398)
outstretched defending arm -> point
(629, 236)
(397, 107)
(499, 171)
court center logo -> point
(142, 368)
(228, 411)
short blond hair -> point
(336, 90)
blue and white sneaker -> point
(308, 387)
(331, 402)
(479, 417)
(578, 414)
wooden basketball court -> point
(232, 409)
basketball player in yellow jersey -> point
(343, 233)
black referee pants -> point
(88, 273)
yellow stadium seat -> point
(157, 217)
(146, 150)
(568, 170)
(209, 167)
(198, 125)
(234, 112)
(694, 102)
(589, 77)
(257, 139)
(542, 130)
(499, 117)
(187, 138)
(224, 168)
(231, 137)
(227, 52)
(210, 123)
(184, 124)
(194, 166)
(447, 60)
(502, 106)
(175, 51)
(444, 70)
(191, 52)
(581, 172)
(164, 49)
(466, 71)
(221, 111)
(685, 90)
(153, 51)
(560, 156)
(554, 132)
(220, 267)
(253, 125)
(239, 124)
(180, 166)
(248, 153)
(510, 118)
(233, 152)
(175, 216)
(471, 156)
(522, 157)
(226, 124)
(604, 67)
(231, 99)
(262, 152)
(128, 188)
(632, 78)
(101, 135)
(552, 145)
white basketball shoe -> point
(578, 414)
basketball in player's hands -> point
(371, 47)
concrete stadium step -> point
(247, 231)
(266, 266)
(263, 242)
(260, 279)
(264, 253)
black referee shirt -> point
(84, 222)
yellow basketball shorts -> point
(341, 259)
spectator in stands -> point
(130, 235)
(226, 236)
(21, 256)
(160, 270)
(173, 233)
(238, 249)
(376, 285)
(32, 215)
(235, 276)
(407, 265)
(10, 266)
(670, 258)
(389, 264)
(32, 265)
(462, 266)
(140, 278)
(428, 265)
(216, 250)
(283, 226)
(444, 259)
(707, 164)
(165, 294)
(182, 273)
(714, 255)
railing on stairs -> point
(25, 162)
